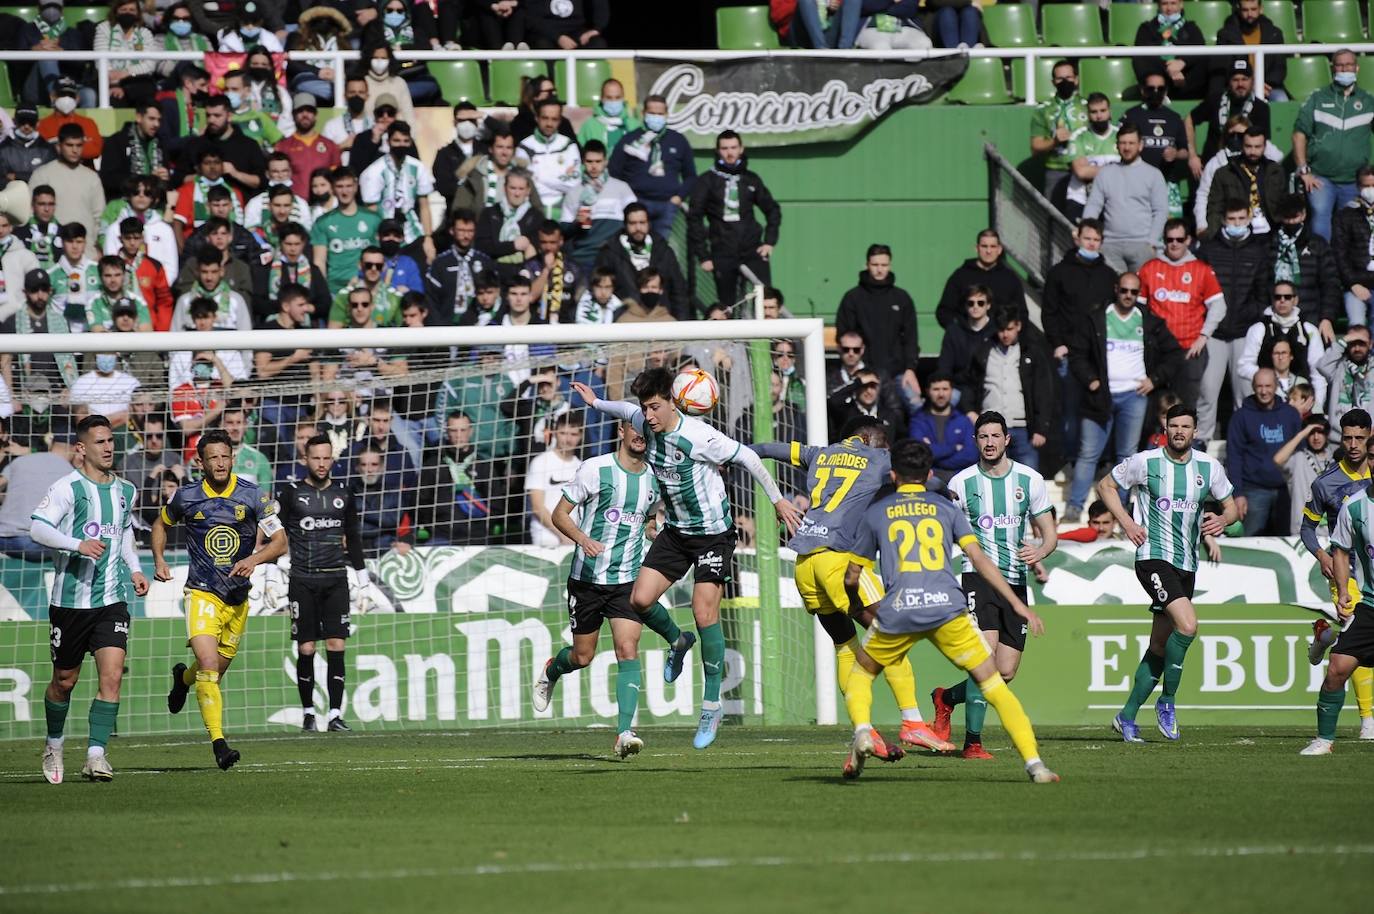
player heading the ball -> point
(685, 455)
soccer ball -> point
(695, 392)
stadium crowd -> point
(1201, 273)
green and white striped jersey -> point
(614, 505)
(1169, 501)
(83, 509)
(1352, 534)
(999, 509)
(687, 462)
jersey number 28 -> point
(926, 539)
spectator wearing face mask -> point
(106, 390)
(1234, 97)
(180, 35)
(656, 161)
(1302, 257)
(1164, 142)
(248, 31)
(24, 150)
(467, 145)
(1090, 147)
(64, 102)
(131, 79)
(611, 119)
(1054, 122)
(1331, 141)
(398, 185)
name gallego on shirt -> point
(910, 509)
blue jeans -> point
(1122, 427)
(1356, 311)
(322, 89)
(1325, 201)
(1021, 449)
(840, 33)
(1264, 505)
(1073, 396)
(22, 547)
(662, 215)
(956, 26)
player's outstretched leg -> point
(713, 667)
(183, 677)
(560, 664)
(915, 733)
(334, 665)
(1018, 725)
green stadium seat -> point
(590, 75)
(1335, 21)
(1284, 15)
(1112, 76)
(1044, 68)
(745, 28)
(1124, 19)
(1209, 16)
(27, 13)
(7, 97)
(505, 77)
(1010, 25)
(1072, 25)
(984, 83)
(1365, 78)
(459, 81)
(75, 14)
(1306, 75)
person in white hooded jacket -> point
(1283, 320)
(554, 160)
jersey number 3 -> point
(926, 538)
(846, 479)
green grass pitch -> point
(1227, 820)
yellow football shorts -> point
(958, 639)
(820, 581)
(1352, 587)
(207, 614)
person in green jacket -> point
(1331, 141)
(611, 119)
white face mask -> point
(1367, 195)
(466, 130)
(66, 104)
(380, 65)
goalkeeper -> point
(324, 529)
(843, 480)
(686, 456)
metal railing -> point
(1035, 234)
(103, 59)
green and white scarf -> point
(1286, 263)
(42, 241)
(399, 38)
(53, 31)
(57, 323)
(492, 183)
(144, 155)
(400, 193)
(276, 274)
(640, 259)
(730, 206)
(647, 149)
(192, 42)
(200, 208)
(224, 311)
(265, 97)
(510, 227)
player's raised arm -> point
(792, 452)
(990, 573)
(620, 409)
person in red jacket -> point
(147, 272)
(1184, 292)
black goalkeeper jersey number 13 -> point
(323, 527)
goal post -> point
(459, 615)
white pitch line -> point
(695, 863)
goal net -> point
(458, 441)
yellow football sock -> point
(211, 707)
(1363, 682)
(188, 675)
(901, 679)
(844, 663)
(858, 696)
(1014, 719)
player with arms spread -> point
(843, 480)
(1000, 498)
(1170, 484)
(86, 518)
(1341, 480)
(324, 528)
(913, 533)
(1353, 536)
(614, 495)
(686, 454)
(222, 515)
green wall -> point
(916, 181)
